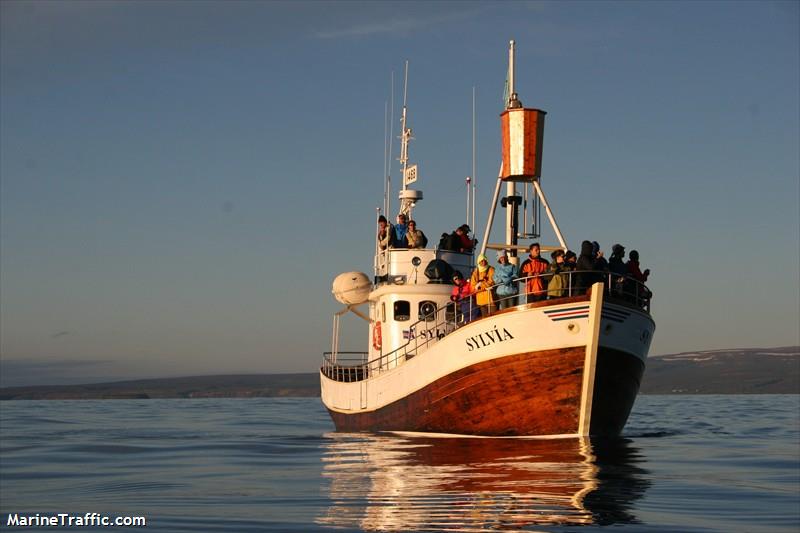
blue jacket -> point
(503, 274)
(400, 236)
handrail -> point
(618, 287)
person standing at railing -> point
(558, 282)
(506, 288)
(384, 233)
(533, 268)
(461, 296)
(415, 237)
(617, 268)
(482, 281)
(585, 274)
(570, 261)
(399, 233)
(637, 290)
(600, 263)
(633, 268)
(465, 244)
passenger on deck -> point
(559, 281)
(384, 233)
(482, 281)
(504, 275)
(570, 262)
(617, 268)
(465, 244)
(533, 268)
(640, 292)
(400, 230)
(461, 295)
(415, 237)
(585, 274)
(633, 268)
(616, 265)
(600, 263)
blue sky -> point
(181, 181)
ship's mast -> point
(523, 131)
(408, 197)
(512, 200)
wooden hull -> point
(535, 393)
(529, 394)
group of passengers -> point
(404, 234)
(495, 288)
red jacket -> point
(465, 244)
(462, 291)
(634, 272)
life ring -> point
(377, 340)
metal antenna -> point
(385, 152)
(513, 100)
(406, 134)
(469, 186)
(474, 179)
(391, 150)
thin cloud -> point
(60, 334)
(395, 26)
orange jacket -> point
(532, 267)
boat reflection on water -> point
(402, 482)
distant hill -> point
(225, 386)
(745, 371)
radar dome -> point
(351, 288)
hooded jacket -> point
(482, 281)
(503, 277)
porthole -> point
(427, 310)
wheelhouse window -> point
(402, 310)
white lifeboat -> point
(351, 288)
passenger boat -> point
(570, 365)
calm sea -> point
(686, 463)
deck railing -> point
(436, 326)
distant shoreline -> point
(743, 371)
